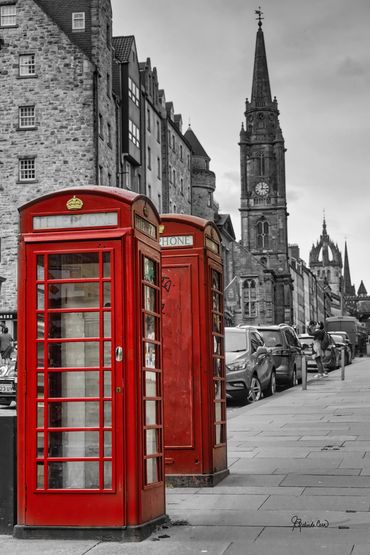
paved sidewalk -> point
(300, 457)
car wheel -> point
(271, 390)
(293, 379)
(255, 390)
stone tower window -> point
(262, 230)
(8, 16)
(78, 21)
(261, 163)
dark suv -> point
(286, 353)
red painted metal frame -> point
(130, 502)
(191, 448)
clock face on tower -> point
(262, 189)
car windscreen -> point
(235, 341)
(337, 338)
(306, 340)
(272, 338)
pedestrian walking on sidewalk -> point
(318, 352)
(6, 345)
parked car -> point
(348, 345)
(286, 353)
(250, 370)
(8, 382)
(331, 359)
(340, 344)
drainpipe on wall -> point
(96, 124)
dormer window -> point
(8, 15)
(78, 21)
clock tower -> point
(263, 206)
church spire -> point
(261, 92)
(348, 288)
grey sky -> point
(318, 55)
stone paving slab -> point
(260, 490)
(335, 491)
(291, 452)
(235, 479)
(214, 501)
(261, 465)
(326, 481)
(59, 547)
(319, 471)
(320, 502)
(296, 545)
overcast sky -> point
(318, 54)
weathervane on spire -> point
(259, 12)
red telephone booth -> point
(90, 438)
(193, 352)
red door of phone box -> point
(193, 352)
(90, 426)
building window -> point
(174, 208)
(109, 32)
(148, 126)
(209, 200)
(159, 168)
(133, 92)
(149, 158)
(174, 177)
(261, 165)
(173, 143)
(8, 16)
(250, 298)
(108, 85)
(109, 179)
(127, 173)
(189, 161)
(100, 175)
(182, 186)
(27, 169)
(149, 191)
(159, 203)
(170, 174)
(109, 129)
(181, 153)
(26, 117)
(100, 126)
(134, 133)
(27, 65)
(158, 132)
(78, 21)
(262, 234)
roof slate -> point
(196, 147)
(122, 47)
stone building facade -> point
(57, 109)
(126, 83)
(176, 164)
(311, 299)
(152, 113)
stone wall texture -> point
(64, 140)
